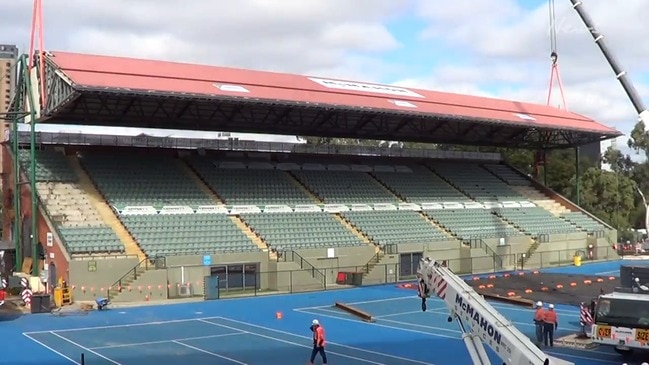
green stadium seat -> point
(132, 180)
(535, 221)
(243, 187)
(174, 234)
(395, 227)
(289, 231)
(77, 221)
(345, 187)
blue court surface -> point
(246, 331)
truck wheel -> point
(626, 353)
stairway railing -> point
(497, 259)
(146, 264)
(316, 273)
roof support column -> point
(32, 175)
(577, 178)
(545, 167)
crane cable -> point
(554, 57)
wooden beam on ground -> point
(354, 311)
(509, 300)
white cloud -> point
(509, 53)
(495, 47)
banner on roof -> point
(143, 210)
(363, 87)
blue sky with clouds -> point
(489, 47)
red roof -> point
(96, 71)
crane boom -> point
(479, 322)
(620, 74)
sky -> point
(494, 48)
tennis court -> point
(246, 331)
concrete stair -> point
(147, 286)
(105, 212)
(358, 233)
(126, 282)
(361, 235)
(241, 224)
(531, 249)
(541, 200)
(238, 221)
(304, 189)
(373, 262)
(423, 215)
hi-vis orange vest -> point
(319, 337)
(550, 317)
(539, 315)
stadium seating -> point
(476, 182)
(508, 175)
(284, 231)
(469, 224)
(166, 234)
(394, 227)
(582, 221)
(132, 180)
(160, 181)
(50, 166)
(420, 186)
(250, 185)
(78, 223)
(345, 187)
(535, 221)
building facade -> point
(8, 58)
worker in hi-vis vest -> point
(551, 322)
(318, 342)
(539, 314)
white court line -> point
(118, 326)
(51, 349)
(362, 302)
(165, 341)
(497, 306)
(562, 355)
(85, 348)
(333, 343)
(417, 331)
(617, 271)
(290, 342)
(209, 352)
(392, 321)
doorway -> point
(408, 264)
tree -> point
(609, 196)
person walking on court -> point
(538, 322)
(318, 342)
(550, 324)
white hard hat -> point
(539, 304)
(551, 306)
(315, 322)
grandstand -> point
(150, 214)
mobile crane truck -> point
(479, 322)
(622, 317)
